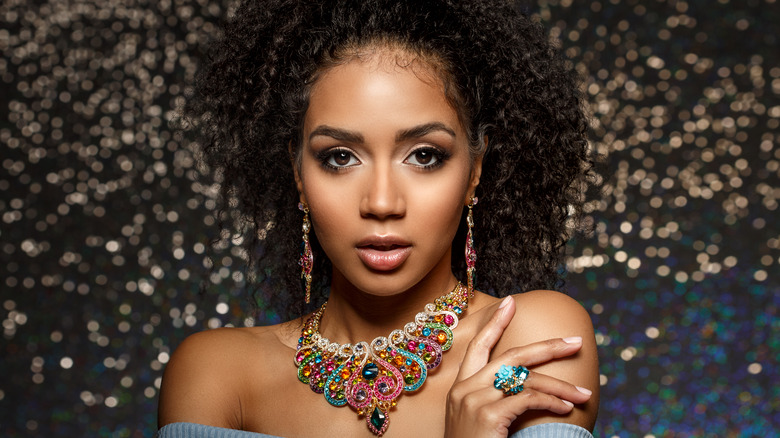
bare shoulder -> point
(541, 315)
(203, 380)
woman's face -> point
(385, 171)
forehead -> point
(380, 87)
(383, 58)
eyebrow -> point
(406, 134)
(336, 133)
(423, 130)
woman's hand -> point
(476, 409)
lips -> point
(383, 253)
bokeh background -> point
(105, 224)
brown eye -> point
(423, 156)
(339, 158)
(427, 158)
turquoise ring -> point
(510, 379)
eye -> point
(339, 158)
(426, 157)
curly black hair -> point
(502, 74)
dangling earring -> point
(471, 254)
(307, 257)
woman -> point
(378, 125)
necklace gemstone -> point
(378, 418)
(360, 395)
(370, 371)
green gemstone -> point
(378, 419)
(409, 379)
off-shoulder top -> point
(192, 430)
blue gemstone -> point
(457, 310)
(426, 331)
(408, 362)
(370, 371)
(505, 372)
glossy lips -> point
(383, 253)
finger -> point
(489, 401)
(540, 352)
(534, 381)
(556, 387)
(478, 351)
(531, 399)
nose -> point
(383, 196)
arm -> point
(196, 385)
(543, 315)
(475, 408)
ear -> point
(295, 162)
(476, 172)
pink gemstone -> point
(448, 319)
(412, 345)
(330, 368)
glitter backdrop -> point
(104, 223)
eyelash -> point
(324, 157)
(441, 157)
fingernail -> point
(504, 302)
(573, 340)
(585, 391)
(568, 403)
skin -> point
(367, 168)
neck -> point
(353, 315)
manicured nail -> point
(504, 302)
(573, 340)
(585, 391)
(568, 403)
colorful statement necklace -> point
(371, 377)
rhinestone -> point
(361, 395)
(370, 371)
(378, 419)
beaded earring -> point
(306, 260)
(471, 254)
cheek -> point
(439, 206)
(439, 214)
(327, 209)
(330, 204)
(329, 217)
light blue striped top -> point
(192, 430)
